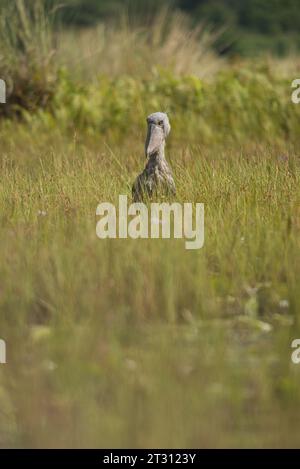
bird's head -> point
(158, 129)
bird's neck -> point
(158, 157)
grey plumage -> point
(156, 179)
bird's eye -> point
(160, 122)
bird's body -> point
(156, 179)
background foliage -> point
(250, 25)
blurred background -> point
(248, 27)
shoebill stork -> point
(156, 179)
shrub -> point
(26, 55)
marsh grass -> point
(142, 343)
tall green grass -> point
(142, 343)
(128, 47)
(26, 55)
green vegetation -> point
(141, 343)
(26, 56)
(239, 105)
(249, 26)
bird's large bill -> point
(155, 137)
